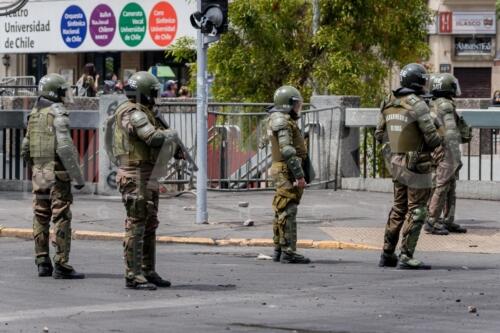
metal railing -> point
(12, 131)
(480, 157)
(18, 86)
(239, 158)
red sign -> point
(163, 23)
(446, 22)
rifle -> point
(178, 141)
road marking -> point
(59, 312)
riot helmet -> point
(413, 76)
(289, 100)
(55, 88)
(143, 88)
(445, 85)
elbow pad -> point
(161, 137)
(293, 162)
(295, 166)
(380, 130)
(25, 149)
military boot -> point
(454, 227)
(435, 227)
(139, 282)
(65, 271)
(388, 260)
(277, 254)
(406, 262)
(154, 278)
(45, 269)
(293, 258)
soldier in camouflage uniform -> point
(447, 157)
(142, 144)
(49, 149)
(406, 122)
(288, 154)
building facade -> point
(117, 36)
(464, 41)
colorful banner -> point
(95, 26)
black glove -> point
(79, 186)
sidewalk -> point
(342, 219)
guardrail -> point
(84, 132)
(340, 141)
(480, 157)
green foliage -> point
(270, 43)
(183, 50)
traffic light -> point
(212, 19)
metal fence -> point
(12, 131)
(18, 86)
(239, 156)
(480, 157)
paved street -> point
(228, 290)
(352, 217)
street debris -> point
(248, 223)
(472, 309)
(264, 257)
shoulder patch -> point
(412, 100)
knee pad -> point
(419, 214)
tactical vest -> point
(402, 127)
(297, 142)
(130, 146)
(42, 134)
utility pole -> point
(211, 19)
(201, 129)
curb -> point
(262, 242)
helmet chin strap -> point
(294, 115)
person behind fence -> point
(447, 157)
(141, 145)
(49, 149)
(406, 122)
(288, 155)
(88, 84)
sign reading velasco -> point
(94, 26)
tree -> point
(271, 43)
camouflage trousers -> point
(285, 206)
(52, 199)
(443, 200)
(406, 217)
(140, 196)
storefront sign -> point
(468, 46)
(474, 23)
(95, 25)
(445, 25)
